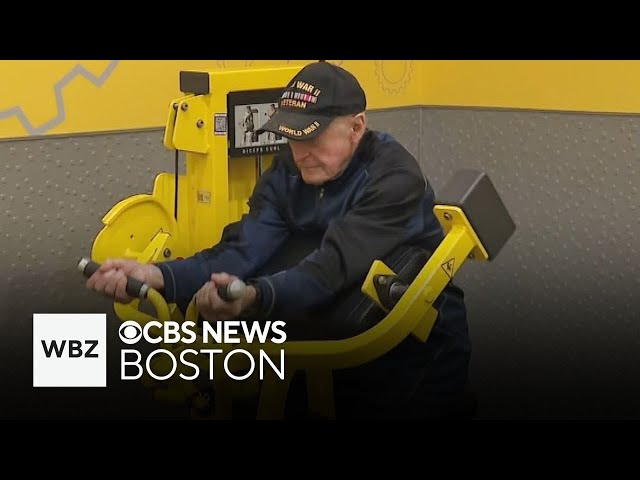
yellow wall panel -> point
(70, 96)
(42, 97)
(606, 86)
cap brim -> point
(295, 126)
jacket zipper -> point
(318, 206)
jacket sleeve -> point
(256, 237)
(380, 221)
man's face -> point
(324, 157)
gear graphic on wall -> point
(234, 63)
(394, 75)
(335, 62)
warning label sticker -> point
(448, 267)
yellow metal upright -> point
(215, 183)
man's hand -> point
(213, 308)
(111, 278)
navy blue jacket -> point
(380, 202)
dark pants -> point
(415, 379)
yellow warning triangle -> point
(448, 267)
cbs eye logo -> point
(130, 332)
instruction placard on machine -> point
(204, 196)
(219, 123)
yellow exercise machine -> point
(187, 213)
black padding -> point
(352, 312)
(194, 82)
(473, 192)
(406, 263)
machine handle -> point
(135, 288)
(232, 291)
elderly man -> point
(340, 197)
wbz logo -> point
(69, 350)
(74, 351)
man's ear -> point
(359, 124)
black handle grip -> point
(135, 288)
(90, 267)
(232, 291)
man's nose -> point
(301, 156)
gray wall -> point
(555, 327)
(554, 330)
(53, 195)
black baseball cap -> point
(320, 92)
